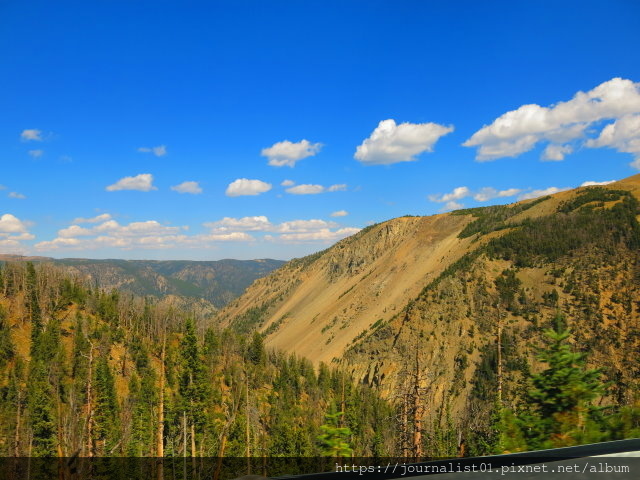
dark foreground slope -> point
(93, 373)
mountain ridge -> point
(439, 288)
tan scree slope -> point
(316, 306)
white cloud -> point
(489, 193)
(456, 194)
(541, 193)
(288, 153)
(518, 131)
(159, 151)
(590, 183)
(225, 237)
(314, 189)
(12, 232)
(623, 135)
(340, 213)
(74, 231)
(36, 153)
(187, 187)
(244, 186)
(482, 195)
(325, 235)
(98, 218)
(451, 205)
(306, 189)
(11, 224)
(31, 134)
(390, 143)
(304, 226)
(262, 223)
(257, 223)
(142, 182)
(16, 195)
(287, 183)
(556, 153)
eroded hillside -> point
(444, 286)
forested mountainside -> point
(216, 282)
(89, 372)
(463, 300)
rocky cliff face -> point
(435, 296)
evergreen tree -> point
(106, 409)
(561, 410)
(334, 440)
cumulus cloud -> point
(11, 224)
(314, 189)
(456, 194)
(151, 234)
(288, 153)
(111, 234)
(244, 186)
(74, 231)
(391, 143)
(257, 223)
(484, 194)
(262, 223)
(224, 237)
(590, 183)
(556, 153)
(287, 183)
(36, 153)
(451, 205)
(339, 213)
(187, 187)
(142, 183)
(518, 131)
(489, 193)
(622, 135)
(324, 235)
(13, 232)
(306, 189)
(31, 134)
(98, 218)
(541, 193)
(17, 195)
(159, 151)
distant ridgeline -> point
(90, 372)
(215, 282)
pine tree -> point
(334, 440)
(561, 410)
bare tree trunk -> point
(160, 433)
(89, 403)
(246, 374)
(16, 443)
(417, 410)
(499, 374)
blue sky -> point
(369, 109)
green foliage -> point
(490, 219)
(508, 286)
(256, 353)
(546, 239)
(334, 440)
(7, 349)
(106, 410)
(560, 403)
